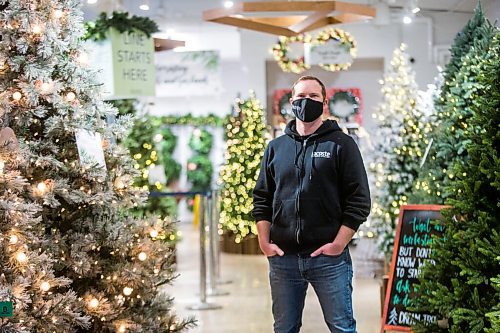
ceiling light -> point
(415, 10)
(91, 2)
(407, 19)
(228, 4)
(144, 5)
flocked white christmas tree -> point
(73, 260)
(400, 142)
(27, 273)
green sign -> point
(133, 64)
(6, 309)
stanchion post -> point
(216, 218)
(213, 234)
(203, 305)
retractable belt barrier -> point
(208, 216)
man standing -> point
(310, 198)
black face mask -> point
(307, 109)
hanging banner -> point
(126, 64)
(195, 73)
(331, 52)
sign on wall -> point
(126, 64)
(194, 73)
(331, 52)
(411, 251)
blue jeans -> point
(331, 278)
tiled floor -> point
(247, 309)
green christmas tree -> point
(463, 287)
(245, 134)
(461, 46)
(452, 112)
(400, 145)
(113, 263)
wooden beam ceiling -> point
(319, 15)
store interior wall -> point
(244, 54)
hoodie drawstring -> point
(315, 145)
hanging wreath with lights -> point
(343, 105)
(346, 41)
(280, 52)
(285, 107)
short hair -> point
(310, 78)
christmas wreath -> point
(343, 104)
(284, 106)
(281, 49)
(346, 41)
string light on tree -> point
(45, 286)
(37, 29)
(127, 291)
(13, 239)
(142, 256)
(70, 96)
(17, 95)
(58, 13)
(21, 257)
(93, 303)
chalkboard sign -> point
(411, 250)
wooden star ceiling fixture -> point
(322, 13)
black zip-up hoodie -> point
(309, 186)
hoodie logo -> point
(324, 154)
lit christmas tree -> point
(27, 274)
(400, 143)
(245, 134)
(115, 263)
(463, 286)
(451, 114)
(151, 145)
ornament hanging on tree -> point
(8, 139)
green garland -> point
(120, 21)
(210, 120)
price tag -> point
(6, 309)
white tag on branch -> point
(426, 153)
(8, 140)
(90, 149)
